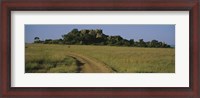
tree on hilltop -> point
(96, 37)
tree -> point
(96, 37)
(131, 42)
(75, 31)
(154, 43)
(142, 43)
(36, 40)
(48, 41)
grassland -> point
(55, 58)
(42, 59)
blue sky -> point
(164, 33)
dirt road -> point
(90, 65)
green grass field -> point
(49, 58)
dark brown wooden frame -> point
(99, 5)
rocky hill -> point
(97, 37)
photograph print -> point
(100, 48)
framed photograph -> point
(100, 48)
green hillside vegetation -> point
(97, 37)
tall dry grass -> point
(47, 59)
(120, 59)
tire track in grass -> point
(90, 65)
(79, 64)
